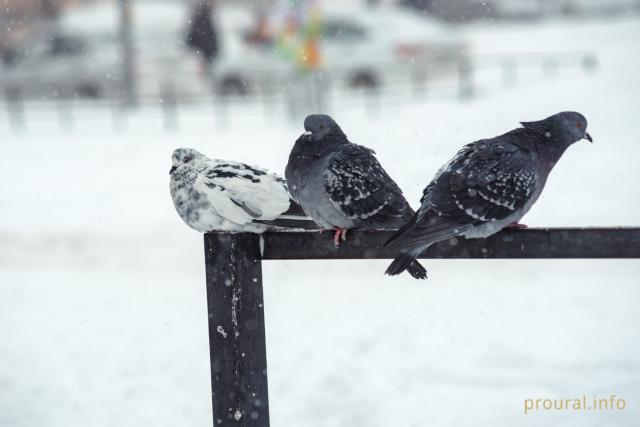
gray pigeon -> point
(218, 195)
(489, 185)
(341, 185)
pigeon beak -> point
(172, 170)
(588, 137)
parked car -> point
(358, 48)
(63, 65)
(82, 55)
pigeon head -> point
(564, 128)
(183, 156)
(319, 126)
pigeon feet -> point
(517, 226)
(339, 232)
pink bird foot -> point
(339, 232)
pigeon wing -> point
(359, 187)
(242, 193)
(484, 182)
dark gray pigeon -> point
(341, 185)
(489, 185)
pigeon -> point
(341, 185)
(489, 185)
(218, 195)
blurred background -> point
(284, 58)
(103, 317)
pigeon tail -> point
(294, 209)
(407, 262)
(402, 230)
(293, 219)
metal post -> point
(267, 84)
(550, 66)
(371, 101)
(236, 330)
(128, 66)
(509, 72)
(64, 105)
(15, 108)
(465, 79)
(169, 105)
(418, 80)
(318, 101)
(590, 62)
(221, 107)
(118, 117)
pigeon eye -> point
(579, 125)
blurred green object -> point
(299, 38)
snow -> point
(104, 317)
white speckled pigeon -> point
(341, 185)
(217, 195)
(489, 185)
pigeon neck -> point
(329, 142)
(551, 153)
(336, 136)
(549, 149)
(307, 149)
(544, 144)
(329, 145)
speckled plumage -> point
(218, 195)
(342, 185)
(488, 185)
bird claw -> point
(517, 226)
(341, 234)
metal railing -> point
(236, 304)
(294, 96)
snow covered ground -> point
(102, 298)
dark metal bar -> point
(236, 330)
(622, 242)
(235, 300)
